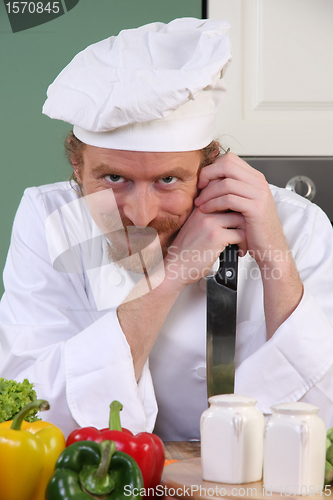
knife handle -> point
(227, 273)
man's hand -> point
(231, 184)
(199, 243)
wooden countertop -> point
(178, 450)
(183, 479)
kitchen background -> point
(279, 101)
(278, 113)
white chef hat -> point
(154, 88)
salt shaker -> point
(232, 432)
(294, 450)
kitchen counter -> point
(183, 479)
(179, 450)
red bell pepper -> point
(147, 449)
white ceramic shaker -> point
(232, 433)
(294, 450)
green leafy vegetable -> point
(328, 472)
(13, 397)
(329, 457)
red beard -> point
(127, 244)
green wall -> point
(31, 145)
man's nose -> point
(141, 207)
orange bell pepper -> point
(28, 453)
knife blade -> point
(221, 324)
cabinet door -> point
(280, 83)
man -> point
(105, 280)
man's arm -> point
(283, 291)
(203, 235)
(141, 320)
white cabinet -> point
(280, 83)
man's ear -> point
(75, 163)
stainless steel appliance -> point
(311, 177)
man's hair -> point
(74, 148)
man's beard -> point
(139, 248)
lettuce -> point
(14, 396)
(329, 457)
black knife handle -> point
(227, 273)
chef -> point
(105, 278)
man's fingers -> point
(231, 220)
(229, 165)
(228, 228)
(223, 187)
(227, 203)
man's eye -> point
(116, 179)
(169, 180)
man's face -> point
(151, 190)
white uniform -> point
(60, 329)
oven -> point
(311, 177)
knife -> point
(221, 324)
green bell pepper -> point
(88, 470)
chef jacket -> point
(59, 325)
